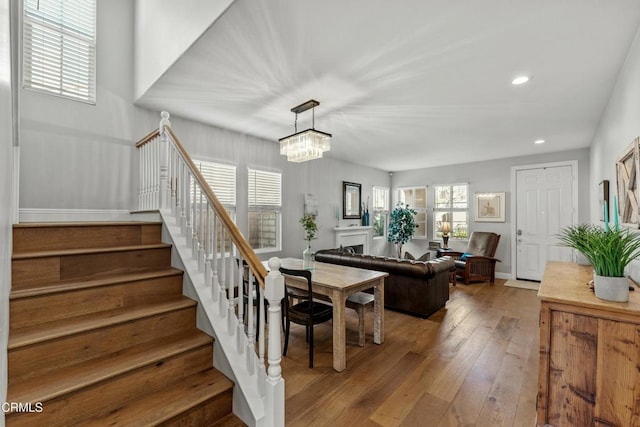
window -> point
(265, 202)
(416, 198)
(380, 211)
(222, 180)
(452, 206)
(59, 43)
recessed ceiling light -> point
(539, 141)
(520, 80)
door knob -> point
(519, 232)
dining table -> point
(337, 282)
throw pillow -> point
(424, 257)
(464, 256)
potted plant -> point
(310, 227)
(609, 251)
(402, 225)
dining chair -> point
(251, 289)
(305, 311)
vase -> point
(611, 288)
(308, 258)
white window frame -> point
(381, 208)
(436, 211)
(59, 48)
(269, 203)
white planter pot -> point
(611, 288)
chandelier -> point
(308, 144)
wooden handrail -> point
(259, 271)
(148, 138)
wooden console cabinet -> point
(589, 353)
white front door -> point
(544, 205)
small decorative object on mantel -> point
(310, 228)
(401, 226)
(365, 215)
(609, 250)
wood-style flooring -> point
(473, 363)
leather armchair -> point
(477, 262)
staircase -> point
(100, 333)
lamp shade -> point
(445, 228)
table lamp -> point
(445, 229)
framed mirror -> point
(351, 200)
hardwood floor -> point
(473, 363)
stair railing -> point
(169, 181)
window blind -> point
(265, 189)
(222, 180)
(59, 47)
(380, 199)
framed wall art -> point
(489, 207)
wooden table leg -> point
(338, 299)
(378, 313)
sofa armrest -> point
(481, 258)
(444, 263)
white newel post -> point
(274, 292)
(165, 191)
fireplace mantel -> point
(355, 235)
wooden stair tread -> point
(66, 252)
(231, 420)
(166, 404)
(85, 283)
(64, 327)
(83, 224)
(69, 379)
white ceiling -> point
(411, 83)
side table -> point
(452, 271)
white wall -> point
(619, 126)
(80, 156)
(165, 29)
(6, 192)
(491, 176)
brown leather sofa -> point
(418, 288)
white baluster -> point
(222, 277)
(194, 219)
(184, 190)
(274, 396)
(250, 327)
(240, 303)
(187, 208)
(173, 176)
(215, 283)
(231, 291)
(207, 247)
(165, 191)
(201, 233)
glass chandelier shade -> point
(306, 145)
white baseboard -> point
(84, 215)
(505, 276)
